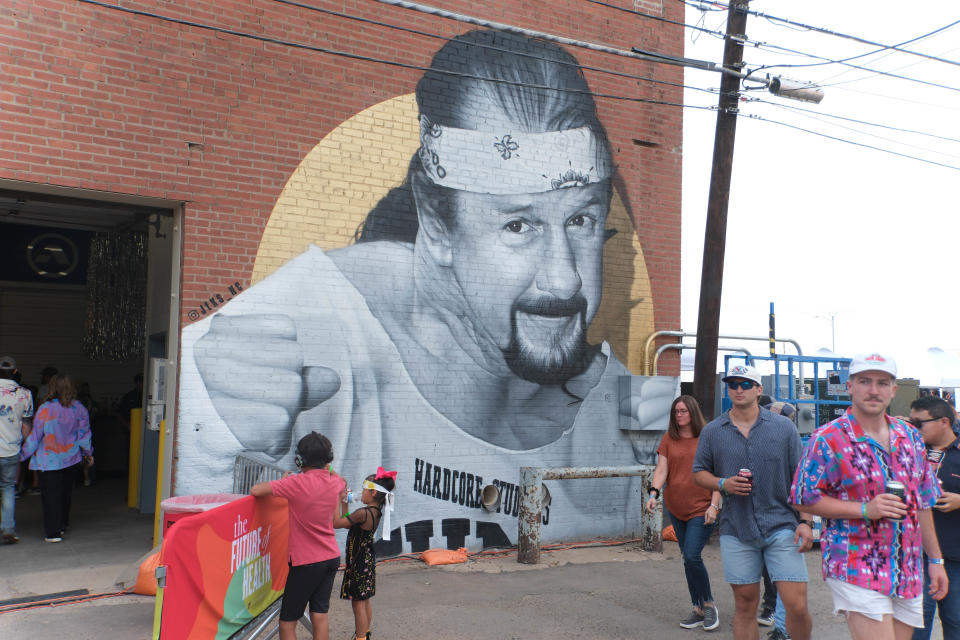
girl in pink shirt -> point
(312, 496)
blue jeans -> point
(949, 606)
(692, 535)
(8, 492)
(780, 615)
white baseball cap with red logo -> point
(873, 362)
(744, 371)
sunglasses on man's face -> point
(740, 384)
(919, 423)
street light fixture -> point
(778, 85)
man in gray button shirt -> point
(758, 525)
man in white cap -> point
(851, 472)
(16, 412)
(758, 526)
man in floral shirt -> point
(872, 540)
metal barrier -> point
(531, 498)
(250, 467)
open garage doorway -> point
(89, 286)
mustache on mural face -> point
(554, 307)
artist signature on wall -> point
(214, 301)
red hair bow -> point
(381, 473)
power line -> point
(890, 51)
(874, 94)
(826, 82)
(861, 132)
(648, 16)
(404, 65)
(844, 140)
(437, 36)
(845, 61)
(854, 66)
(759, 44)
(531, 33)
(394, 63)
(846, 36)
(856, 121)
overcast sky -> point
(820, 227)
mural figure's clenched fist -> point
(649, 406)
(252, 366)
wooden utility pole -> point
(714, 241)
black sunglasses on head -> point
(741, 384)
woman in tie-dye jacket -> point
(60, 439)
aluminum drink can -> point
(349, 497)
(896, 488)
(746, 473)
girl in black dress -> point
(360, 575)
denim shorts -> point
(743, 562)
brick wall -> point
(257, 135)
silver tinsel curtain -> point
(116, 296)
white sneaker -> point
(57, 539)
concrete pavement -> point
(601, 592)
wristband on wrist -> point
(720, 488)
(935, 560)
(654, 489)
(863, 511)
(715, 506)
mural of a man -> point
(449, 342)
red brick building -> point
(219, 129)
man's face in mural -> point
(530, 269)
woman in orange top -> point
(692, 510)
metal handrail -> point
(679, 346)
(647, 364)
(531, 505)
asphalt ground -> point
(608, 591)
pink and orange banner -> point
(223, 567)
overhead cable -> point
(767, 45)
(856, 121)
(830, 32)
(890, 51)
(844, 140)
(437, 36)
(531, 33)
(393, 63)
(855, 66)
(650, 16)
(814, 116)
